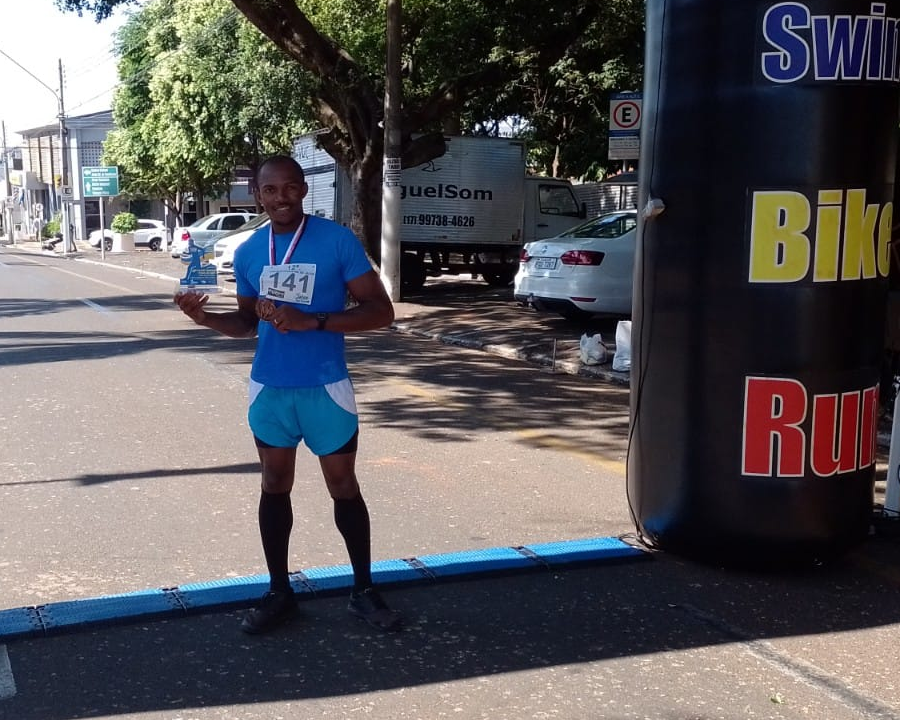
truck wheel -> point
(498, 278)
(412, 272)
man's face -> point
(280, 191)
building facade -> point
(43, 182)
(45, 186)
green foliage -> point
(124, 222)
(563, 102)
(52, 227)
(202, 81)
(100, 9)
(556, 66)
(201, 92)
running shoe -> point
(368, 605)
(273, 609)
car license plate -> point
(545, 264)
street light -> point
(68, 245)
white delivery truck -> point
(468, 211)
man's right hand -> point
(191, 304)
(265, 308)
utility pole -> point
(7, 209)
(390, 190)
(68, 242)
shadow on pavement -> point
(589, 624)
(473, 390)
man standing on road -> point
(293, 277)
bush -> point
(52, 227)
(124, 222)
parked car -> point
(206, 230)
(585, 270)
(226, 245)
(150, 233)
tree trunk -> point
(452, 124)
(365, 181)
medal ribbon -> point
(291, 247)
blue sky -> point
(37, 35)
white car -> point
(206, 230)
(150, 233)
(226, 245)
(583, 271)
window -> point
(232, 222)
(606, 226)
(557, 200)
(91, 154)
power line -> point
(56, 94)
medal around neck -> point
(201, 273)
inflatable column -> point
(769, 141)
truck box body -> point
(474, 194)
(470, 210)
(615, 193)
(321, 173)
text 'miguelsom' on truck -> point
(469, 211)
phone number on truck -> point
(436, 219)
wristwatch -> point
(321, 319)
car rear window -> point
(606, 226)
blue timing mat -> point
(317, 582)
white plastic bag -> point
(622, 357)
(593, 351)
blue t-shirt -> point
(304, 358)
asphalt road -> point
(127, 466)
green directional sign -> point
(100, 181)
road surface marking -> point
(798, 668)
(129, 290)
(7, 682)
(94, 306)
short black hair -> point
(283, 160)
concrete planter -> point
(123, 242)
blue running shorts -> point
(324, 417)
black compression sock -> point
(352, 519)
(276, 518)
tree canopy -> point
(201, 92)
(471, 64)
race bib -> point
(291, 283)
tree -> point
(465, 59)
(201, 92)
(568, 119)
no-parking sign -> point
(625, 126)
(625, 112)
